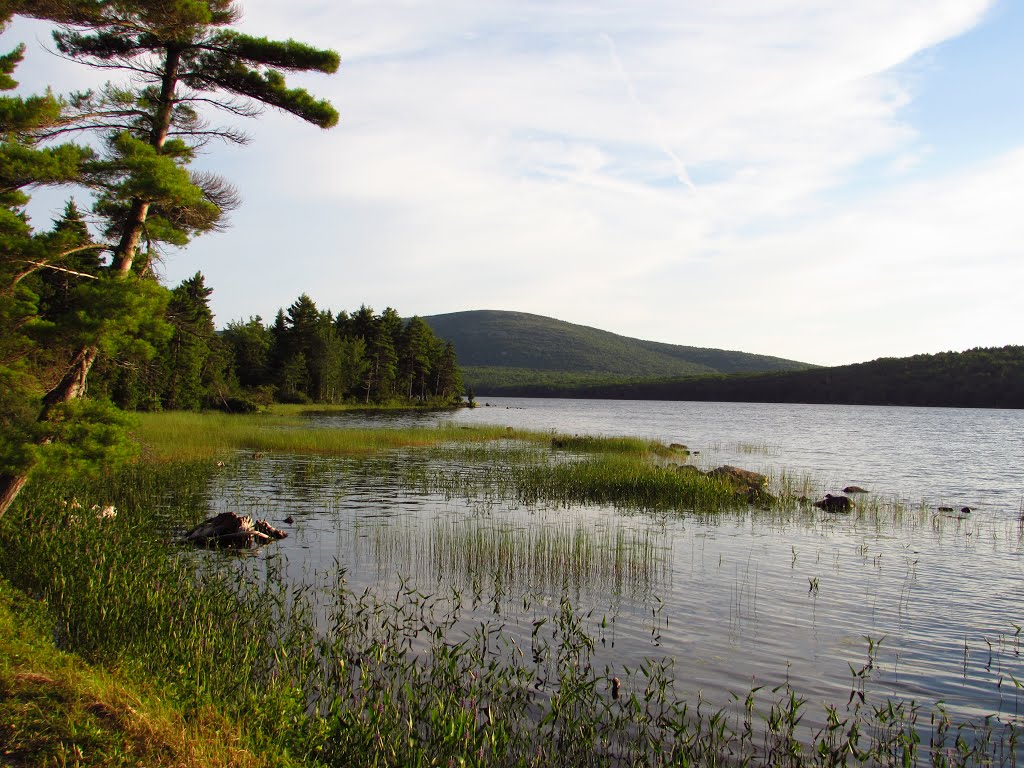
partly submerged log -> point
(231, 530)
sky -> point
(821, 180)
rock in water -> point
(231, 530)
(749, 484)
(741, 478)
(835, 503)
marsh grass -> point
(56, 710)
(633, 446)
(763, 449)
(184, 436)
(623, 481)
(547, 557)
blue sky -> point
(820, 180)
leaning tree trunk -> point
(10, 487)
(70, 387)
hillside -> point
(498, 348)
(977, 378)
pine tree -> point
(189, 354)
(249, 349)
(382, 364)
(353, 365)
(415, 357)
(447, 376)
(31, 301)
(182, 57)
(362, 323)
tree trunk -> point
(70, 387)
(10, 486)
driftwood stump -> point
(232, 530)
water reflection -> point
(939, 456)
(735, 600)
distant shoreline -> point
(977, 378)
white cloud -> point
(660, 170)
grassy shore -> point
(57, 710)
(122, 648)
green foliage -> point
(125, 316)
(184, 366)
(85, 438)
(165, 353)
(184, 363)
(19, 407)
(249, 344)
(205, 62)
(136, 170)
(39, 316)
(310, 355)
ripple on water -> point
(734, 602)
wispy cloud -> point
(731, 174)
(658, 130)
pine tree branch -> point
(46, 265)
(233, 106)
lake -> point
(941, 456)
(931, 598)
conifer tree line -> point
(306, 355)
(80, 307)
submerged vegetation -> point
(485, 558)
(320, 673)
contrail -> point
(659, 131)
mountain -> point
(977, 378)
(499, 349)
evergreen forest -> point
(306, 355)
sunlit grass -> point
(58, 710)
(184, 436)
(623, 445)
(626, 481)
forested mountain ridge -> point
(977, 378)
(500, 348)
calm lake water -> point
(737, 600)
(941, 456)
